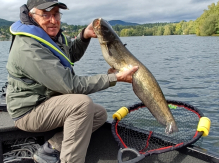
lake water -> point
(186, 68)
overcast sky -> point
(82, 12)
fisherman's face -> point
(52, 25)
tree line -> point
(72, 30)
(206, 25)
(4, 33)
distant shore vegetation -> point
(206, 25)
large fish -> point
(144, 84)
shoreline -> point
(214, 35)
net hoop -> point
(196, 137)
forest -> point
(205, 25)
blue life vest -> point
(37, 33)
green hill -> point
(4, 22)
(120, 22)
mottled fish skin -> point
(144, 84)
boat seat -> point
(8, 132)
(95, 153)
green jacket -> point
(29, 59)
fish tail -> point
(171, 127)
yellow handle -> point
(121, 113)
(204, 125)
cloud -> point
(201, 1)
(136, 11)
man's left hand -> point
(89, 32)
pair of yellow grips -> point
(203, 125)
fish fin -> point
(110, 53)
(171, 127)
(107, 47)
(137, 89)
(134, 85)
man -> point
(43, 91)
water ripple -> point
(186, 68)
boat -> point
(102, 148)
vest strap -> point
(37, 33)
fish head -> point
(104, 31)
(108, 39)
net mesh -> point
(141, 131)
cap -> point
(44, 4)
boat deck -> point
(102, 147)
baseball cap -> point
(45, 4)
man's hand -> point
(112, 71)
(89, 32)
(124, 76)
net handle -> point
(136, 159)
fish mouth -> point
(96, 23)
(98, 29)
